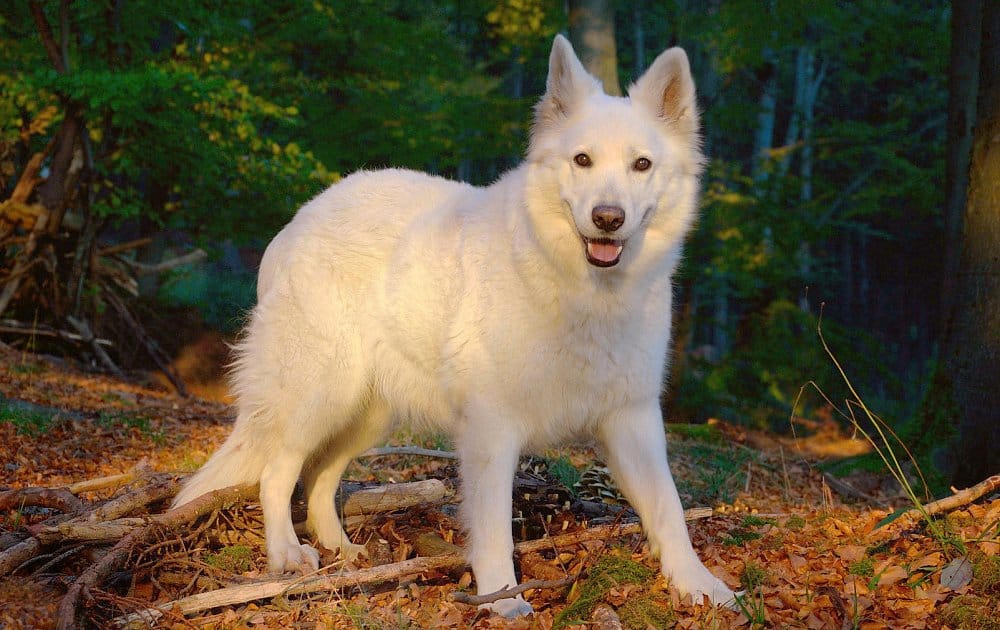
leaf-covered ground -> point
(808, 554)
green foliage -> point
(223, 298)
(25, 420)
(564, 472)
(647, 610)
(753, 576)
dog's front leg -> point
(636, 448)
(488, 456)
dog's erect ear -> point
(667, 90)
(568, 83)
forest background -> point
(136, 136)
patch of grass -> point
(795, 522)
(27, 421)
(753, 576)
(752, 520)
(718, 469)
(751, 604)
(26, 368)
(234, 559)
(144, 425)
(864, 568)
(739, 536)
(708, 433)
(611, 570)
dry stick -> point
(13, 557)
(136, 499)
(409, 450)
(947, 504)
(103, 483)
(57, 498)
(88, 337)
(120, 553)
(513, 591)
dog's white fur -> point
(395, 294)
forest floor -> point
(805, 546)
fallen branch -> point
(88, 337)
(15, 556)
(111, 481)
(409, 450)
(511, 591)
(56, 498)
(961, 498)
(296, 586)
(119, 554)
(393, 496)
(142, 269)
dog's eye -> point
(582, 159)
(642, 164)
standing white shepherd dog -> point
(516, 316)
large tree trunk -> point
(963, 79)
(592, 32)
(972, 347)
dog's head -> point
(624, 170)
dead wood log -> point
(139, 498)
(13, 557)
(393, 496)
(119, 554)
(909, 518)
(56, 498)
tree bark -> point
(972, 348)
(592, 32)
(963, 80)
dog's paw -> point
(700, 583)
(510, 607)
(293, 558)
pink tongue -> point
(604, 252)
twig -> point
(142, 269)
(122, 247)
(297, 586)
(511, 591)
(45, 331)
(408, 450)
(88, 337)
(57, 498)
(960, 498)
(103, 483)
(17, 555)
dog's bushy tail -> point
(238, 461)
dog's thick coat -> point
(516, 316)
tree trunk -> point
(972, 347)
(592, 32)
(963, 78)
(764, 136)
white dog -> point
(517, 316)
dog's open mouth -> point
(603, 252)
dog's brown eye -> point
(582, 159)
(642, 164)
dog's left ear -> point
(568, 84)
(667, 90)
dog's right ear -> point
(568, 83)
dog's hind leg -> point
(284, 552)
(323, 477)
(636, 450)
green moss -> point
(611, 570)
(795, 522)
(986, 575)
(649, 610)
(971, 612)
(234, 559)
(864, 567)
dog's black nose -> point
(608, 218)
